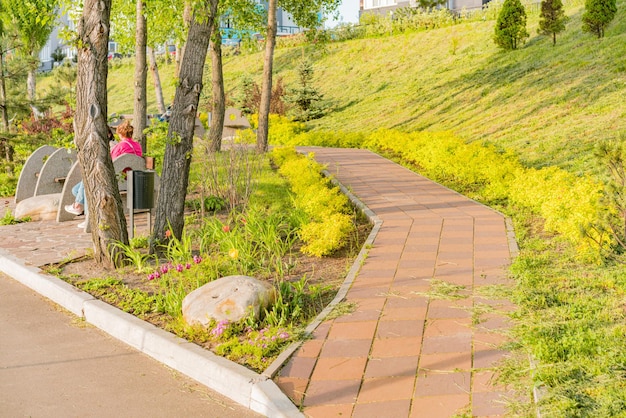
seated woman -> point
(126, 146)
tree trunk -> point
(180, 52)
(106, 214)
(141, 74)
(266, 89)
(179, 148)
(158, 90)
(31, 82)
(180, 49)
(3, 95)
(219, 101)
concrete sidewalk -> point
(52, 364)
(422, 338)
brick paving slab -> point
(45, 242)
(410, 349)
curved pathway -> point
(423, 336)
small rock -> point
(38, 208)
(230, 298)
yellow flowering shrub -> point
(323, 203)
(568, 203)
(324, 237)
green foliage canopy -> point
(552, 18)
(32, 21)
(510, 29)
(598, 14)
(164, 19)
(308, 14)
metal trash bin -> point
(142, 189)
(140, 195)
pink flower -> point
(283, 335)
(150, 276)
(179, 268)
(197, 259)
(164, 268)
(188, 266)
(219, 328)
(157, 274)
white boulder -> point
(230, 299)
(39, 208)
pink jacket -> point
(126, 146)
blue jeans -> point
(79, 192)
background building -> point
(387, 6)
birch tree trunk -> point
(106, 214)
(179, 148)
(141, 73)
(31, 84)
(219, 101)
(266, 88)
(158, 89)
(3, 94)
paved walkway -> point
(53, 365)
(424, 336)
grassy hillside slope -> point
(547, 104)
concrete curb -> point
(238, 383)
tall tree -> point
(266, 87)
(552, 18)
(218, 107)
(242, 15)
(33, 21)
(307, 15)
(106, 213)
(597, 16)
(4, 114)
(140, 120)
(156, 79)
(510, 30)
(159, 15)
(178, 151)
